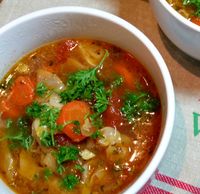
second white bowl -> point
(183, 33)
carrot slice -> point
(126, 74)
(22, 92)
(10, 110)
(73, 111)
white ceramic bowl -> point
(182, 32)
(35, 29)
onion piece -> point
(52, 81)
(99, 176)
(87, 129)
(91, 53)
(37, 130)
(117, 153)
(111, 136)
(89, 168)
(86, 154)
(54, 100)
(22, 68)
(27, 166)
(49, 161)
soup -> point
(188, 8)
(77, 116)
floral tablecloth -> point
(179, 171)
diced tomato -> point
(73, 111)
(124, 68)
(23, 91)
(10, 110)
(112, 116)
(63, 49)
(196, 20)
(127, 76)
(62, 139)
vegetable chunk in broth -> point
(77, 116)
(190, 9)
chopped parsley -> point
(69, 181)
(60, 169)
(66, 153)
(47, 173)
(41, 89)
(46, 139)
(96, 120)
(101, 99)
(97, 134)
(9, 123)
(136, 104)
(85, 85)
(117, 82)
(18, 133)
(195, 3)
(35, 109)
(76, 128)
(79, 168)
(47, 116)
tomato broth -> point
(77, 116)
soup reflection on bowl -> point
(179, 20)
(82, 110)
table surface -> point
(178, 171)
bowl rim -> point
(179, 17)
(170, 98)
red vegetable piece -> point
(63, 49)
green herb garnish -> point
(117, 82)
(47, 173)
(35, 110)
(195, 3)
(97, 134)
(79, 168)
(85, 85)
(96, 120)
(69, 181)
(41, 89)
(46, 139)
(66, 153)
(47, 116)
(60, 169)
(19, 133)
(9, 123)
(136, 104)
(101, 99)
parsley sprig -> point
(136, 104)
(47, 173)
(41, 89)
(18, 133)
(195, 3)
(85, 85)
(65, 154)
(70, 181)
(47, 116)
